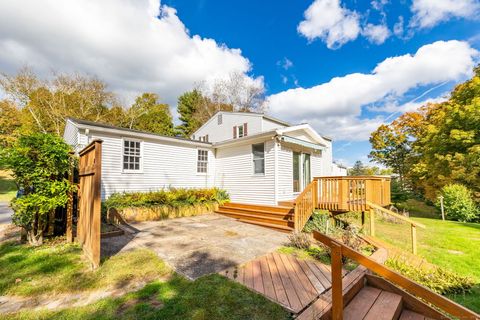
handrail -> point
(304, 205)
(413, 224)
(396, 215)
(339, 250)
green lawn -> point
(452, 245)
(8, 189)
(58, 268)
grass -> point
(8, 189)
(58, 268)
(449, 244)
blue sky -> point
(343, 66)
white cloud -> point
(428, 13)
(135, 46)
(376, 33)
(285, 63)
(335, 107)
(329, 21)
(379, 4)
(398, 27)
(395, 107)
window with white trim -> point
(202, 161)
(258, 152)
(219, 119)
(131, 155)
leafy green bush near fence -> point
(458, 203)
(172, 197)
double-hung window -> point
(258, 152)
(202, 161)
(131, 155)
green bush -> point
(440, 280)
(458, 203)
(318, 222)
(172, 197)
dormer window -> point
(240, 131)
(219, 119)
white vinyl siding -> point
(165, 164)
(234, 173)
(285, 173)
(221, 132)
(71, 136)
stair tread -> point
(251, 215)
(361, 303)
(258, 211)
(374, 304)
(264, 224)
(387, 306)
(236, 205)
(411, 315)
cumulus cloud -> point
(336, 106)
(428, 13)
(376, 33)
(329, 21)
(135, 46)
(335, 25)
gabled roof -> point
(255, 114)
(98, 126)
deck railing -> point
(351, 193)
(305, 204)
(339, 250)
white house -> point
(256, 158)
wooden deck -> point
(293, 283)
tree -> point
(359, 169)
(188, 104)
(458, 203)
(147, 114)
(10, 122)
(437, 145)
(39, 163)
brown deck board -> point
(241, 274)
(319, 274)
(257, 276)
(302, 294)
(248, 276)
(293, 298)
(317, 284)
(410, 315)
(387, 306)
(304, 280)
(277, 282)
(268, 286)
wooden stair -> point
(279, 218)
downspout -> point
(275, 169)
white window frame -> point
(238, 131)
(140, 170)
(202, 161)
(264, 162)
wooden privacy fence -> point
(89, 201)
(339, 250)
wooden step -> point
(286, 203)
(268, 225)
(256, 217)
(374, 304)
(410, 315)
(280, 215)
(281, 209)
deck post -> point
(414, 238)
(337, 294)
(372, 222)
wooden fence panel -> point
(89, 201)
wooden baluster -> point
(372, 222)
(337, 294)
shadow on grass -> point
(210, 297)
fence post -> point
(337, 292)
(414, 238)
(372, 222)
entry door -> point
(301, 171)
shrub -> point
(318, 222)
(440, 280)
(300, 240)
(172, 197)
(40, 164)
(458, 203)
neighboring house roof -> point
(97, 126)
(255, 114)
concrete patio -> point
(195, 246)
